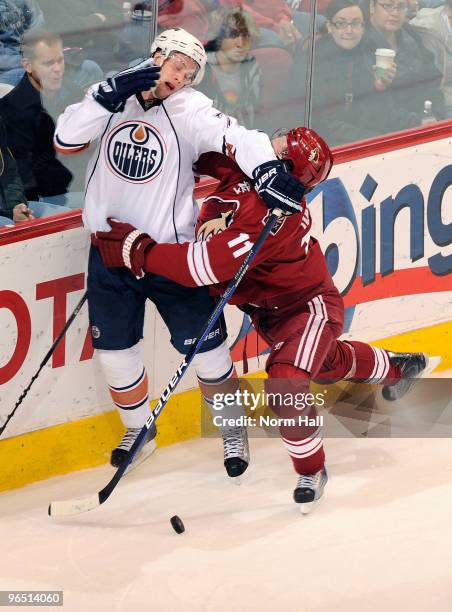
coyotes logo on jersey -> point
(214, 226)
(216, 216)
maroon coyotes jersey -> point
(290, 260)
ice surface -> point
(380, 540)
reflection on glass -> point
(233, 78)
(257, 70)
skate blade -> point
(309, 507)
(147, 450)
(237, 481)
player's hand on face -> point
(113, 93)
(279, 189)
(123, 246)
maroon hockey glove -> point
(123, 246)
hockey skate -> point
(412, 366)
(309, 490)
(236, 450)
(120, 453)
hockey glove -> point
(113, 93)
(123, 246)
(277, 188)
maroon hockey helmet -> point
(310, 158)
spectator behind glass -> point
(275, 18)
(348, 102)
(416, 79)
(13, 204)
(29, 111)
(233, 76)
(412, 9)
(192, 15)
(95, 26)
(16, 17)
(343, 77)
(434, 26)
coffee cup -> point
(383, 59)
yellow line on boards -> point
(434, 340)
(88, 442)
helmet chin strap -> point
(288, 165)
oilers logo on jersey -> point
(135, 151)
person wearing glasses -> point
(347, 102)
(416, 77)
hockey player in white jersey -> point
(147, 127)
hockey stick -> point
(45, 360)
(77, 506)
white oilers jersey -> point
(141, 167)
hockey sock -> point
(303, 440)
(370, 364)
(214, 390)
(128, 384)
(217, 377)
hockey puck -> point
(177, 524)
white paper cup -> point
(383, 59)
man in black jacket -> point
(29, 111)
(13, 204)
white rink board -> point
(76, 389)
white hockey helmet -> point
(182, 41)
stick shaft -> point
(77, 506)
(45, 360)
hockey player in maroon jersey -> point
(288, 292)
